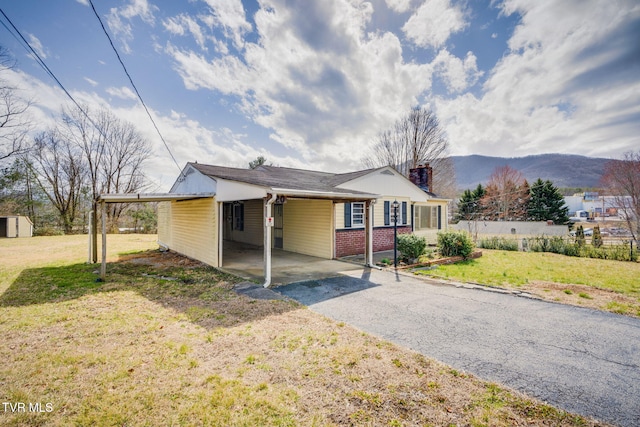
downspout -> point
(267, 240)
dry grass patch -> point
(166, 341)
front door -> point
(277, 226)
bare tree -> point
(14, 124)
(415, 139)
(62, 172)
(622, 179)
(507, 194)
(114, 153)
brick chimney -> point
(422, 177)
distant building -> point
(593, 204)
(15, 226)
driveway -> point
(577, 359)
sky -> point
(311, 83)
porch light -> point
(395, 205)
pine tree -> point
(580, 241)
(547, 203)
(596, 238)
(469, 203)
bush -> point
(500, 243)
(564, 246)
(411, 246)
(596, 239)
(47, 230)
(455, 243)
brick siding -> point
(352, 241)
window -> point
(427, 217)
(357, 214)
(354, 215)
(238, 216)
(388, 213)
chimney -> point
(422, 177)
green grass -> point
(499, 268)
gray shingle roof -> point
(287, 178)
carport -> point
(104, 199)
(246, 261)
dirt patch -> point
(584, 296)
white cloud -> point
(122, 92)
(433, 22)
(230, 16)
(567, 85)
(119, 20)
(458, 74)
(37, 46)
(315, 78)
(91, 81)
(399, 6)
(182, 24)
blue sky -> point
(310, 83)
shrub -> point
(455, 243)
(596, 239)
(47, 231)
(411, 246)
(500, 243)
(564, 246)
(580, 241)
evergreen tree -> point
(469, 204)
(580, 241)
(596, 238)
(547, 203)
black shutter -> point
(347, 215)
(404, 213)
(413, 218)
(439, 217)
(387, 207)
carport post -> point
(103, 267)
(369, 249)
(267, 239)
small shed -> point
(15, 226)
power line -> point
(27, 46)
(134, 86)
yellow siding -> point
(164, 224)
(308, 227)
(253, 232)
(190, 228)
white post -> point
(221, 223)
(103, 267)
(89, 258)
(267, 241)
(369, 261)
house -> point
(321, 214)
(15, 226)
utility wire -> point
(134, 86)
(27, 46)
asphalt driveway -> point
(577, 359)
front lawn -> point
(605, 284)
(166, 341)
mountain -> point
(563, 170)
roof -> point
(300, 180)
(148, 197)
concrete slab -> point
(246, 261)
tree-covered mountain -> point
(563, 170)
